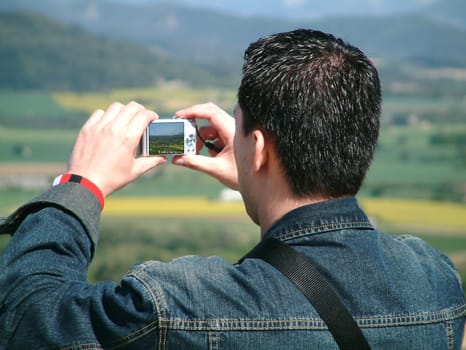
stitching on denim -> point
(132, 337)
(313, 324)
(213, 340)
(88, 346)
(243, 324)
(216, 325)
(315, 229)
(449, 331)
(406, 238)
(413, 319)
(157, 297)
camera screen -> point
(166, 138)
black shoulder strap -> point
(316, 288)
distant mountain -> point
(100, 44)
(184, 32)
(297, 9)
(402, 37)
(450, 12)
(218, 40)
(36, 52)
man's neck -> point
(276, 207)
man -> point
(306, 125)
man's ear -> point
(260, 151)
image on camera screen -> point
(166, 138)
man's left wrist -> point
(69, 177)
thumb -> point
(196, 162)
(216, 167)
(144, 164)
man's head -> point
(318, 100)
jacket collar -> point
(331, 215)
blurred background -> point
(62, 59)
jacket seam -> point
(213, 340)
(443, 315)
(317, 229)
(450, 334)
(158, 299)
(311, 324)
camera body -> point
(168, 137)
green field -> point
(421, 155)
(406, 164)
(410, 163)
(35, 145)
(420, 158)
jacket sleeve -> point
(45, 301)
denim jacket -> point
(402, 293)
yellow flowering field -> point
(157, 98)
(171, 207)
(413, 213)
(417, 213)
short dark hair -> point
(319, 99)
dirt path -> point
(51, 169)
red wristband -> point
(64, 178)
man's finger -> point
(94, 118)
(140, 122)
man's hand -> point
(221, 165)
(105, 150)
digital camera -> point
(169, 137)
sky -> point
(167, 129)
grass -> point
(29, 103)
(405, 154)
(417, 104)
(55, 137)
(37, 145)
(124, 242)
(172, 181)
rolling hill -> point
(36, 53)
(95, 45)
(194, 34)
